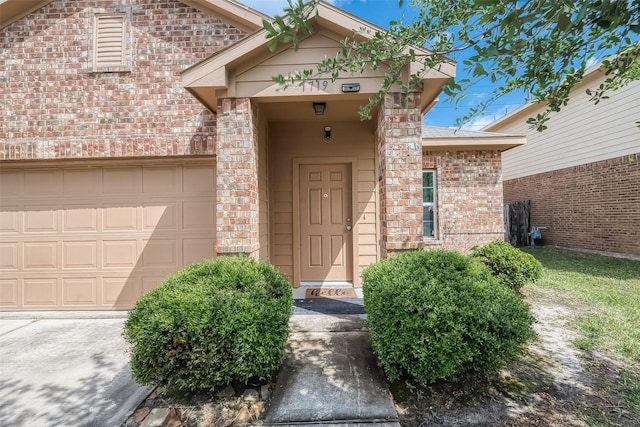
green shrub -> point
(212, 323)
(435, 315)
(511, 266)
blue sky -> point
(380, 12)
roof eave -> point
(12, 10)
(499, 143)
(244, 17)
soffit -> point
(12, 10)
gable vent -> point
(109, 40)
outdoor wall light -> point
(319, 107)
(327, 132)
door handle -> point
(348, 228)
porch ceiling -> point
(301, 111)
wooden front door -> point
(326, 223)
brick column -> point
(400, 172)
(237, 178)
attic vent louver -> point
(109, 40)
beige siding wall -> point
(581, 133)
(306, 140)
(263, 190)
(255, 79)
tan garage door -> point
(96, 238)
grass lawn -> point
(604, 293)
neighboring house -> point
(139, 136)
(582, 174)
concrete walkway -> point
(330, 376)
(65, 369)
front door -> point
(325, 223)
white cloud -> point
(478, 123)
(489, 117)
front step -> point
(331, 378)
(325, 323)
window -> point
(428, 203)
(109, 41)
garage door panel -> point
(124, 180)
(9, 219)
(119, 253)
(199, 180)
(119, 218)
(40, 292)
(40, 219)
(81, 254)
(9, 293)
(91, 238)
(198, 215)
(120, 291)
(39, 255)
(159, 217)
(44, 182)
(159, 180)
(79, 219)
(197, 250)
(12, 182)
(79, 291)
(159, 253)
(9, 255)
(82, 181)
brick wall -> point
(594, 206)
(53, 106)
(237, 158)
(400, 172)
(469, 198)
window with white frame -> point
(429, 203)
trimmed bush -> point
(212, 323)
(512, 267)
(436, 315)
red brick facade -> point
(400, 172)
(55, 107)
(237, 177)
(594, 206)
(469, 198)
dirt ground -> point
(553, 385)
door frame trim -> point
(297, 162)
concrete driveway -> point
(65, 369)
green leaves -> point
(211, 323)
(437, 314)
(528, 46)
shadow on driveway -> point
(65, 372)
